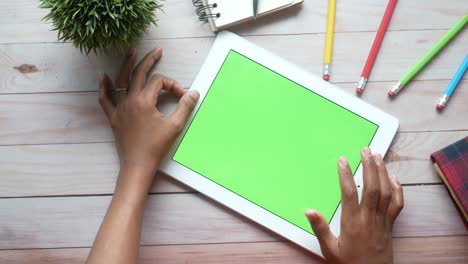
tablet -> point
(265, 137)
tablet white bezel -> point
(226, 41)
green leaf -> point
(101, 25)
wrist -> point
(126, 196)
(136, 179)
(139, 165)
(142, 169)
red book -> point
(451, 163)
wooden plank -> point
(415, 106)
(77, 117)
(189, 219)
(74, 221)
(62, 118)
(21, 19)
(435, 250)
(69, 169)
(431, 250)
(57, 67)
(86, 169)
(259, 252)
(409, 155)
(428, 208)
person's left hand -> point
(142, 134)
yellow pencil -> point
(327, 57)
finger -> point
(123, 78)
(104, 94)
(142, 69)
(184, 108)
(385, 188)
(371, 189)
(328, 242)
(158, 82)
(397, 202)
(349, 196)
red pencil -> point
(376, 46)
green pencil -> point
(429, 55)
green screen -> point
(272, 141)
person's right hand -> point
(366, 228)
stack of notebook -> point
(451, 163)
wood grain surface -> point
(86, 169)
(414, 250)
(77, 118)
(61, 68)
(189, 219)
(57, 161)
(22, 19)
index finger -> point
(159, 82)
(142, 69)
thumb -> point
(328, 242)
(185, 106)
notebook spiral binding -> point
(204, 11)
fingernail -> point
(310, 213)
(366, 152)
(101, 76)
(194, 94)
(378, 158)
(343, 162)
(395, 178)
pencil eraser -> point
(391, 94)
(326, 77)
(440, 107)
(359, 90)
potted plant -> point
(102, 25)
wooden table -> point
(58, 165)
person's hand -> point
(366, 228)
(142, 134)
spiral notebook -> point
(221, 14)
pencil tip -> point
(440, 107)
(359, 90)
(391, 94)
(326, 77)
